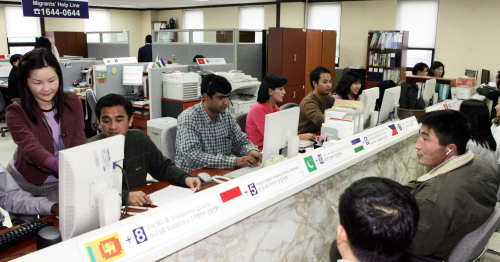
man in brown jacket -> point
(313, 106)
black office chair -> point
(92, 101)
(288, 105)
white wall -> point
(3, 32)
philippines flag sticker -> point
(394, 129)
(230, 194)
(358, 146)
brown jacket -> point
(34, 144)
(312, 112)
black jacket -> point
(13, 88)
(145, 53)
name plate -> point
(324, 157)
(408, 124)
(269, 181)
(211, 61)
(150, 232)
(120, 60)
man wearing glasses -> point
(208, 136)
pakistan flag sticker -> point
(310, 164)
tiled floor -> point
(7, 148)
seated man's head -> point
(14, 60)
(321, 80)
(443, 134)
(114, 115)
(378, 220)
(420, 69)
(215, 91)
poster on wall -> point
(56, 8)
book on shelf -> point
(386, 40)
(379, 59)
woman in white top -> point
(495, 129)
(482, 142)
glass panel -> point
(250, 37)
(213, 37)
(21, 39)
(114, 38)
(172, 37)
(20, 49)
(416, 56)
(93, 38)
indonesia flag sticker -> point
(230, 194)
(394, 129)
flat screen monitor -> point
(90, 184)
(132, 75)
(369, 98)
(485, 76)
(389, 103)
(471, 73)
(279, 126)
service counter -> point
(287, 212)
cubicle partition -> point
(113, 82)
(155, 79)
(108, 44)
(72, 70)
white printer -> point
(156, 127)
(244, 89)
(181, 86)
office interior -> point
(465, 36)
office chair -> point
(3, 107)
(241, 119)
(473, 245)
(168, 136)
(92, 101)
(288, 105)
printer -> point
(181, 86)
(244, 92)
(156, 127)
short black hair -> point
(450, 127)
(149, 39)
(434, 65)
(316, 74)
(419, 67)
(271, 81)
(380, 218)
(43, 42)
(15, 58)
(110, 100)
(344, 86)
(196, 57)
(212, 84)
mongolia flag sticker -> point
(108, 248)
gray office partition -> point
(226, 51)
(250, 59)
(72, 70)
(108, 50)
(156, 84)
(113, 82)
(180, 51)
(94, 50)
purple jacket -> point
(34, 143)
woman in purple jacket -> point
(44, 122)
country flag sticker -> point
(358, 146)
(311, 166)
(230, 194)
(105, 249)
(201, 61)
(394, 129)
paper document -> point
(169, 194)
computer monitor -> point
(471, 73)
(389, 103)
(132, 75)
(279, 126)
(90, 184)
(485, 76)
(369, 98)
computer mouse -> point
(48, 236)
(205, 177)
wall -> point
(176, 14)
(292, 15)
(131, 20)
(354, 30)
(4, 49)
(64, 24)
(270, 16)
(467, 37)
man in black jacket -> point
(13, 88)
(146, 52)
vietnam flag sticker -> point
(108, 248)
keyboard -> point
(22, 233)
(243, 171)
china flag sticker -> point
(108, 248)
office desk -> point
(30, 244)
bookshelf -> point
(386, 56)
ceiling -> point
(163, 4)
